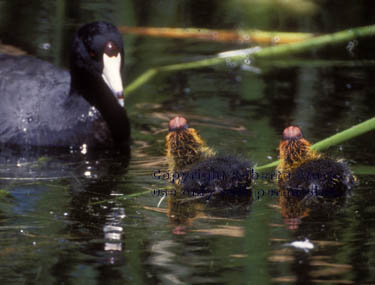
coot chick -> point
(200, 170)
(42, 105)
(306, 172)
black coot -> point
(42, 105)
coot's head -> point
(183, 144)
(97, 58)
(294, 149)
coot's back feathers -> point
(36, 108)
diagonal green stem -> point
(139, 81)
(282, 50)
(340, 137)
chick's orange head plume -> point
(178, 122)
(292, 132)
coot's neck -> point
(97, 93)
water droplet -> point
(275, 40)
(351, 46)
(246, 38)
(82, 118)
(108, 228)
(21, 162)
(45, 46)
(83, 148)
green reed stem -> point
(282, 50)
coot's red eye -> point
(92, 54)
(111, 49)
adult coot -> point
(306, 172)
(42, 105)
(199, 170)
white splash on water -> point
(305, 245)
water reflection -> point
(296, 207)
(307, 250)
(192, 226)
(81, 207)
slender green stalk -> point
(143, 78)
(267, 166)
(282, 50)
(348, 134)
(123, 197)
(136, 194)
(3, 194)
(149, 74)
(193, 64)
(363, 169)
(338, 138)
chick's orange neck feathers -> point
(294, 150)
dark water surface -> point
(78, 218)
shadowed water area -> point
(76, 216)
